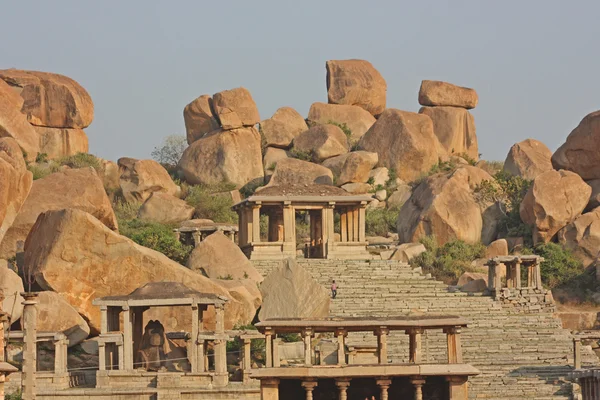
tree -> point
(171, 150)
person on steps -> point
(333, 290)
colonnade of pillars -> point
(513, 272)
(590, 387)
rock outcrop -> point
(224, 156)
(13, 124)
(11, 286)
(74, 188)
(407, 251)
(438, 93)
(554, 200)
(281, 129)
(356, 118)
(291, 292)
(581, 151)
(271, 158)
(199, 118)
(165, 209)
(60, 142)
(582, 236)
(455, 129)
(528, 159)
(595, 196)
(55, 314)
(356, 83)
(290, 171)
(404, 141)
(235, 108)
(321, 142)
(356, 167)
(75, 255)
(140, 178)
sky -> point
(535, 64)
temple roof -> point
(301, 190)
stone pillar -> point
(61, 343)
(193, 348)
(415, 345)
(269, 389)
(196, 237)
(342, 385)
(29, 322)
(418, 383)
(382, 344)
(220, 347)
(256, 223)
(269, 348)
(341, 334)
(384, 385)
(309, 386)
(343, 226)
(276, 357)
(355, 224)
(247, 360)
(219, 319)
(307, 335)
(518, 274)
(362, 218)
(289, 230)
(101, 356)
(454, 347)
(127, 339)
(577, 352)
(458, 388)
(103, 319)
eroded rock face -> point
(356, 118)
(595, 197)
(140, 178)
(582, 236)
(199, 118)
(357, 166)
(321, 142)
(75, 188)
(55, 314)
(554, 199)
(235, 108)
(61, 142)
(581, 151)
(224, 156)
(75, 255)
(51, 100)
(281, 129)
(13, 124)
(356, 83)
(165, 209)
(455, 129)
(407, 251)
(290, 171)
(404, 141)
(438, 93)
(291, 292)
(11, 286)
(528, 159)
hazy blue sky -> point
(535, 64)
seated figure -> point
(152, 355)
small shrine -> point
(336, 220)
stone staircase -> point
(521, 355)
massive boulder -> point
(595, 196)
(581, 151)
(51, 100)
(455, 129)
(291, 292)
(528, 159)
(199, 118)
(357, 166)
(554, 199)
(165, 209)
(438, 93)
(140, 178)
(110, 175)
(75, 255)
(74, 188)
(281, 129)
(235, 108)
(11, 287)
(582, 236)
(321, 142)
(15, 183)
(14, 125)
(444, 206)
(356, 118)
(224, 156)
(271, 158)
(356, 83)
(55, 314)
(290, 171)
(404, 141)
(61, 142)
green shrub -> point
(492, 167)
(41, 158)
(81, 160)
(14, 396)
(126, 211)
(289, 337)
(301, 155)
(380, 221)
(170, 151)
(209, 203)
(156, 236)
(39, 171)
(559, 266)
(468, 159)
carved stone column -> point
(384, 385)
(341, 334)
(418, 383)
(458, 387)
(307, 335)
(454, 346)
(382, 333)
(415, 345)
(309, 386)
(342, 385)
(29, 322)
(269, 389)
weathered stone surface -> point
(381, 195)
(55, 314)
(357, 166)
(404, 141)
(581, 151)
(497, 248)
(290, 171)
(438, 93)
(595, 196)
(455, 129)
(291, 292)
(51, 100)
(578, 320)
(281, 129)
(356, 83)
(528, 159)
(474, 286)
(217, 257)
(61, 142)
(271, 157)
(11, 286)
(407, 251)
(14, 125)
(140, 178)
(199, 118)
(110, 175)
(582, 236)
(444, 206)
(165, 209)
(235, 108)
(356, 118)
(554, 199)
(379, 175)
(74, 188)
(321, 142)
(75, 255)
(15, 183)
(357, 188)
(399, 197)
(470, 276)
(195, 223)
(224, 156)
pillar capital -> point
(414, 331)
(383, 382)
(457, 380)
(308, 332)
(455, 330)
(342, 383)
(417, 380)
(382, 330)
(270, 382)
(341, 332)
(309, 385)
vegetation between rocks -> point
(44, 167)
(211, 201)
(380, 221)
